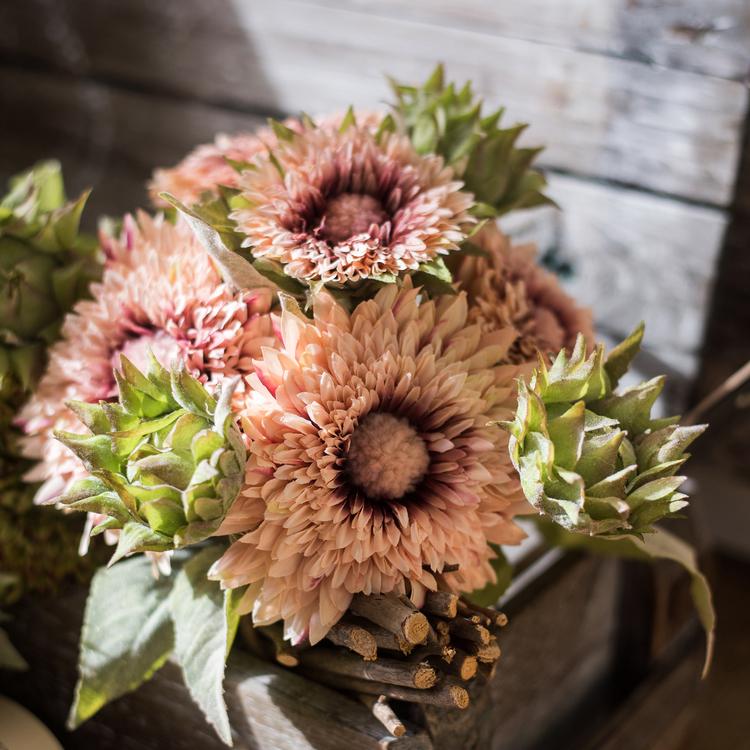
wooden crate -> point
(560, 676)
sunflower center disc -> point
(350, 214)
(387, 458)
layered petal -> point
(372, 467)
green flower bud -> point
(441, 119)
(45, 266)
(590, 457)
(166, 463)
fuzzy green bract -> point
(589, 455)
(166, 462)
(441, 119)
(46, 265)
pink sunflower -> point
(372, 467)
(161, 292)
(208, 165)
(347, 206)
(509, 288)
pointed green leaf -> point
(567, 432)
(126, 636)
(204, 629)
(234, 268)
(622, 356)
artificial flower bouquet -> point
(307, 399)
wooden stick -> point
(441, 603)
(448, 694)
(378, 704)
(493, 617)
(469, 630)
(392, 614)
(443, 632)
(418, 675)
(283, 652)
(731, 385)
(355, 638)
(389, 641)
(463, 666)
(489, 653)
(433, 651)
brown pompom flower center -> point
(350, 214)
(387, 458)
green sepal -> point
(166, 463)
(590, 457)
(444, 120)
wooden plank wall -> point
(641, 104)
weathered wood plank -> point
(636, 256)
(711, 38)
(666, 130)
(106, 139)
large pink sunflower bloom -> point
(161, 292)
(372, 466)
(509, 288)
(209, 165)
(346, 206)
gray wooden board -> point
(635, 255)
(703, 37)
(107, 139)
(663, 129)
(562, 635)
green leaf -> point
(126, 636)
(619, 359)
(491, 593)
(348, 121)
(425, 135)
(234, 268)
(204, 629)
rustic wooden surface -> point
(603, 116)
(561, 633)
(641, 106)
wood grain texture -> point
(663, 129)
(276, 709)
(106, 138)
(635, 255)
(711, 38)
